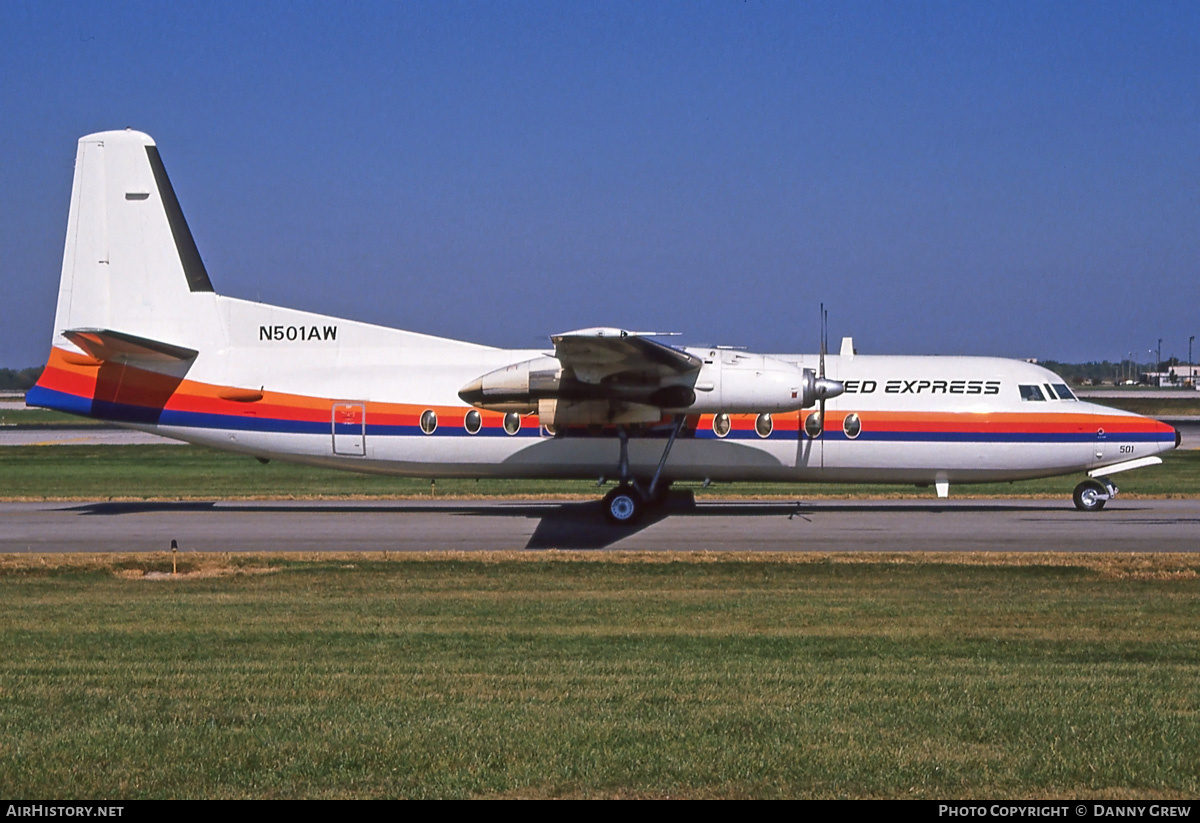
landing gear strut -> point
(1093, 493)
(628, 501)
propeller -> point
(825, 388)
(821, 392)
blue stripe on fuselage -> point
(125, 413)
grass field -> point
(1187, 404)
(567, 675)
(40, 417)
(184, 472)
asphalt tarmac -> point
(82, 436)
(1126, 525)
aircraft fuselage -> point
(142, 339)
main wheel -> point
(1090, 496)
(623, 505)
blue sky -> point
(949, 178)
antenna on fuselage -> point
(821, 375)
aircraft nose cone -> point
(472, 392)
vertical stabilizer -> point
(130, 263)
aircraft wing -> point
(601, 355)
(595, 376)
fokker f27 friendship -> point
(142, 340)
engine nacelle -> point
(746, 383)
(738, 383)
(515, 388)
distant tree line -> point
(19, 379)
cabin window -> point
(512, 422)
(1031, 393)
(1064, 393)
(473, 422)
(812, 425)
(721, 424)
(852, 426)
(764, 425)
(429, 421)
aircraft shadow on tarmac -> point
(567, 525)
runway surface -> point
(399, 526)
(91, 436)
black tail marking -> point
(189, 255)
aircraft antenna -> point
(824, 346)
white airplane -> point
(142, 340)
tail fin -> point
(134, 290)
(130, 263)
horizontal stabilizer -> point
(106, 344)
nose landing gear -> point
(1093, 493)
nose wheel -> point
(1093, 493)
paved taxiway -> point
(90, 436)
(954, 525)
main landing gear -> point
(1093, 493)
(624, 504)
(629, 500)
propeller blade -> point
(824, 342)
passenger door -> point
(350, 429)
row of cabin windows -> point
(1054, 391)
(472, 422)
(764, 424)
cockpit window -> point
(1063, 392)
(1032, 393)
(1049, 391)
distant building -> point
(1187, 373)
(1183, 374)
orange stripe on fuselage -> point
(122, 383)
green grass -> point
(1185, 405)
(40, 417)
(564, 676)
(173, 472)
